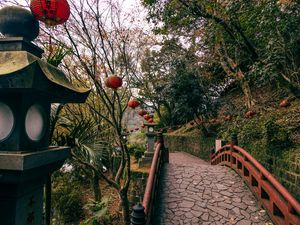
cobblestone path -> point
(194, 192)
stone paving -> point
(194, 192)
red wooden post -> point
(212, 152)
(233, 142)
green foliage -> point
(261, 136)
(58, 54)
(83, 135)
(189, 93)
(67, 200)
(131, 148)
(174, 84)
(279, 50)
(138, 153)
(137, 139)
(98, 214)
(253, 42)
(149, 2)
(277, 137)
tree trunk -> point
(169, 110)
(125, 207)
(247, 92)
(294, 87)
(233, 70)
(96, 187)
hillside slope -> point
(271, 134)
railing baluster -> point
(234, 141)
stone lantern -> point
(148, 155)
(28, 86)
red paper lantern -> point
(147, 117)
(142, 112)
(284, 103)
(227, 118)
(250, 113)
(113, 82)
(133, 103)
(213, 120)
(51, 12)
(151, 120)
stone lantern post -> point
(148, 155)
(28, 86)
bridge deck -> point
(194, 192)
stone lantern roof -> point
(23, 72)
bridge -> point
(234, 188)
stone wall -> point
(195, 145)
(286, 169)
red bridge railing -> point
(281, 206)
(152, 182)
(142, 214)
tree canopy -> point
(250, 43)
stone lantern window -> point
(7, 121)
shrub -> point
(138, 153)
(136, 150)
(98, 213)
(261, 136)
(277, 138)
(131, 149)
(67, 201)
